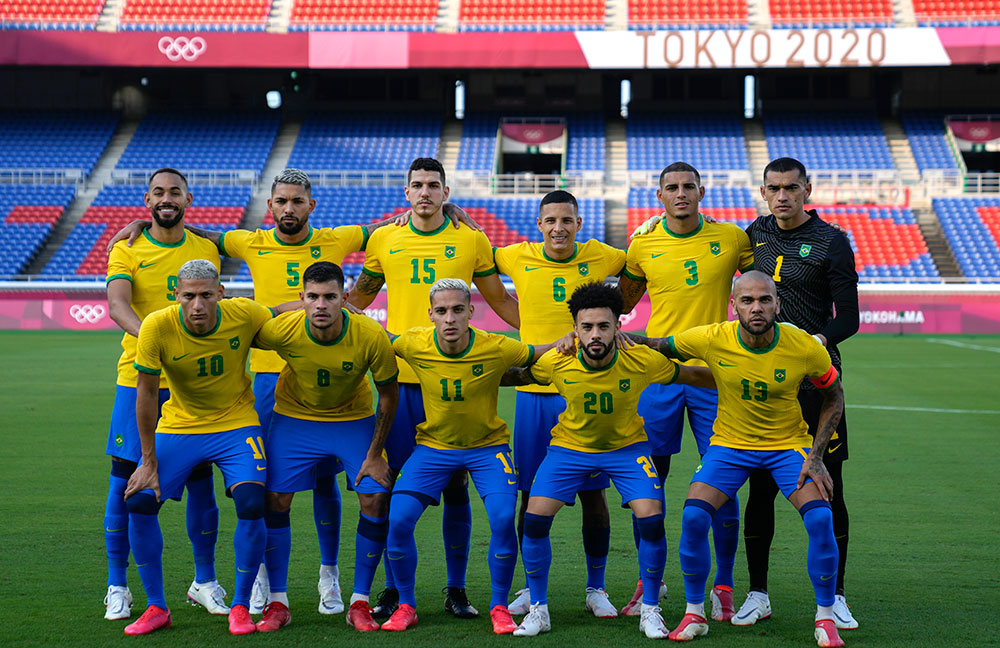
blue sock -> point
(726, 536)
(456, 527)
(635, 537)
(248, 544)
(144, 534)
(369, 544)
(401, 548)
(116, 525)
(696, 559)
(652, 557)
(202, 519)
(595, 545)
(536, 553)
(278, 549)
(823, 556)
(501, 510)
(326, 513)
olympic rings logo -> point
(182, 47)
(87, 313)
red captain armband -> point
(827, 380)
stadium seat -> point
(798, 14)
(677, 14)
(972, 227)
(385, 15)
(730, 204)
(829, 142)
(956, 13)
(27, 215)
(926, 133)
(51, 14)
(531, 15)
(365, 142)
(246, 15)
(54, 140)
(707, 142)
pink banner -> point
(880, 313)
(975, 131)
(533, 133)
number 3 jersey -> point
(460, 390)
(758, 388)
(151, 267)
(328, 381)
(209, 386)
(600, 413)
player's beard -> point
(605, 350)
(289, 229)
(167, 223)
(768, 325)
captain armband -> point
(827, 380)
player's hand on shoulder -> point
(351, 308)
(459, 217)
(836, 226)
(646, 227)
(566, 345)
(404, 218)
(623, 341)
(145, 477)
(132, 231)
(707, 218)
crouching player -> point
(459, 369)
(201, 345)
(599, 431)
(758, 366)
(323, 411)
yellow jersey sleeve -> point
(633, 260)
(374, 252)
(121, 263)
(692, 343)
(235, 243)
(484, 265)
(514, 352)
(541, 370)
(148, 352)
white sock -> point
(280, 597)
(359, 597)
(262, 574)
(824, 612)
(695, 608)
(329, 571)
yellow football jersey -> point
(460, 391)
(209, 387)
(688, 277)
(328, 381)
(543, 285)
(276, 267)
(411, 261)
(600, 413)
(152, 268)
(758, 388)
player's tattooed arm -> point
(517, 377)
(501, 301)
(146, 401)
(375, 465)
(120, 306)
(829, 419)
(632, 291)
(661, 345)
(365, 289)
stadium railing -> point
(203, 176)
(42, 176)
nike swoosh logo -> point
(656, 487)
(532, 571)
(423, 366)
(142, 565)
(324, 523)
(261, 467)
(115, 530)
(658, 255)
(292, 355)
(730, 523)
(146, 265)
(499, 557)
(511, 482)
(651, 571)
(684, 573)
(374, 555)
(242, 571)
(395, 251)
(760, 244)
(570, 382)
(834, 448)
(723, 364)
(204, 532)
(825, 578)
(527, 269)
(176, 358)
(397, 558)
(263, 252)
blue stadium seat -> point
(365, 142)
(828, 142)
(713, 142)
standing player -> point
(687, 265)
(201, 345)
(323, 411)
(141, 279)
(544, 274)
(409, 260)
(812, 265)
(758, 366)
(599, 431)
(459, 369)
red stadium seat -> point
(417, 13)
(827, 12)
(244, 12)
(532, 12)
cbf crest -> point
(804, 250)
(234, 343)
(347, 366)
(779, 375)
(624, 385)
(715, 248)
(477, 370)
(449, 251)
(584, 269)
(314, 251)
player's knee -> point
(143, 503)
(122, 469)
(537, 526)
(249, 500)
(651, 528)
(374, 504)
(697, 516)
(405, 510)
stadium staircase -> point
(451, 142)
(281, 15)
(904, 14)
(109, 19)
(616, 183)
(447, 21)
(899, 146)
(937, 243)
(100, 177)
(616, 15)
(757, 154)
(759, 14)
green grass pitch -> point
(922, 487)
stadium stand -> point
(54, 141)
(365, 142)
(956, 13)
(926, 133)
(829, 142)
(479, 142)
(731, 204)
(350, 15)
(707, 142)
(802, 14)
(586, 143)
(209, 15)
(27, 215)
(677, 14)
(52, 14)
(972, 227)
(201, 142)
(585, 149)
(218, 208)
(531, 15)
